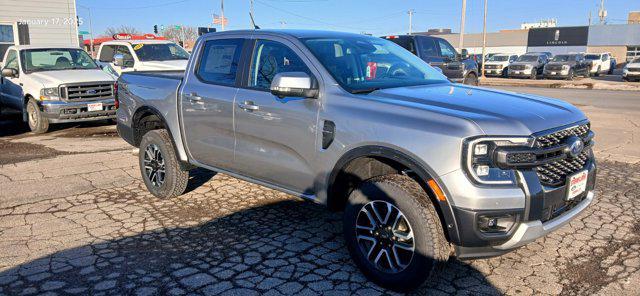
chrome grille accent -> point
(556, 173)
(492, 66)
(633, 69)
(87, 92)
(555, 67)
(517, 67)
(558, 137)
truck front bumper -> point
(539, 210)
(64, 111)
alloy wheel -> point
(154, 166)
(33, 116)
(385, 236)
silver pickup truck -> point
(421, 168)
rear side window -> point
(406, 42)
(107, 52)
(219, 61)
(428, 47)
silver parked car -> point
(421, 168)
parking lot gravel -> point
(82, 222)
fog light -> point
(496, 223)
(482, 170)
(480, 149)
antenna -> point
(253, 23)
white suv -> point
(600, 63)
(498, 65)
(141, 55)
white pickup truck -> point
(600, 63)
(141, 55)
(54, 84)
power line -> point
(140, 7)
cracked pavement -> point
(81, 222)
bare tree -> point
(110, 31)
(180, 33)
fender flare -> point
(422, 170)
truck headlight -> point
(50, 94)
(480, 160)
(528, 66)
(565, 67)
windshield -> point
(55, 59)
(363, 64)
(528, 58)
(564, 58)
(159, 52)
(592, 57)
(496, 58)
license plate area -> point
(94, 107)
(577, 184)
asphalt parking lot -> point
(75, 218)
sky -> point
(377, 17)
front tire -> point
(570, 75)
(36, 120)
(393, 232)
(159, 165)
(534, 74)
(471, 79)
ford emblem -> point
(92, 92)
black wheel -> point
(36, 120)
(159, 165)
(505, 72)
(534, 74)
(595, 74)
(393, 232)
(471, 79)
(570, 76)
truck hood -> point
(162, 65)
(495, 112)
(55, 78)
(559, 63)
(497, 63)
(523, 63)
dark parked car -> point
(567, 66)
(439, 53)
(528, 65)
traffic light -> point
(155, 29)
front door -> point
(11, 90)
(276, 137)
(451, 66)
(207, 102)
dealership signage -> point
(559, 36)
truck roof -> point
(289, 32)
(43, 46)
(137, 41)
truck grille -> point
(88, 92)
(517, 67)
(558, 137)
(555, 173)
(634, 69)
(554, 67)
(492, 67)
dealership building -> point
(621, 40)
(52, 22)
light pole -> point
(464, 12)
(410, 12)
(90, 29)
(484, 36)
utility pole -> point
(602, 13)
(410, 12)
(464, 12)
(90, 29)
(222, 14)
(589, 18)
(484, 36)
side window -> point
(11, 60)
(446, 49)
(107, 52)
(271, 58)
(128, 58)
(428, 47)
(513, 58)
(605, 57)
(219, 61)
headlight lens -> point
(565, 67)
(50, 94)
(480, 160)
(528, 66)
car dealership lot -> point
(75, 217)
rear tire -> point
(570, 75)
(36, 120)
(534, 74)
(420, 221)
(595, 74)
(159, 165)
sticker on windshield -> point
(138, 46)
(372, 67)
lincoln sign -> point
(565, 36)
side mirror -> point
(464, 54)
(294, 84)
(118, 60)
(8, 72)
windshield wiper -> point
(365, 90)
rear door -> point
(276, 137)
(207, 102)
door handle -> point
(248, 106)
(194, 98)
